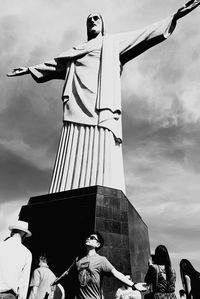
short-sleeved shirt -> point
(42, 278)
(91, 270)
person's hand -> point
(140, 286)
(187, 8)
(53, 284)
(18, 71)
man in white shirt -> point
(15, 263)
(41, 280)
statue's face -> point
(94, 25)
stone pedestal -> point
(60, 222)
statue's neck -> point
(93, 36)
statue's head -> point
(95, 25)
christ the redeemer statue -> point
(90, 148)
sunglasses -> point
(92, 237)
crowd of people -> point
(16, 278)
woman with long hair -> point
(160, 275)
(190, 279)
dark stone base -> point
(61, 221)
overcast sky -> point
(161, 112)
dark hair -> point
(186, 268)
(182, 292)
(162, 258)
(102, 21)
(43, 257)
(100, 239)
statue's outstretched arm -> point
(43, 72)
(18, 72)
(187, 8)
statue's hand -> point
(18, 72)
(187, 8)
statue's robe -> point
(90, 149)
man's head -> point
(42, 259)
(21, 228)
(95, 25)
(95, 240)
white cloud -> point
(9, 212)
(25, 152)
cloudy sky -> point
(161, 112)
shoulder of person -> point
(153, 267)
(37, 271)
(27, 252)
(99, 256)
(103, 258)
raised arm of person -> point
(58, 279)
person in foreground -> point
(91, 268)
(126, 292)
(41, 280)
(90, 149)
(190, 279)
(15, 263)
(160, 275)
